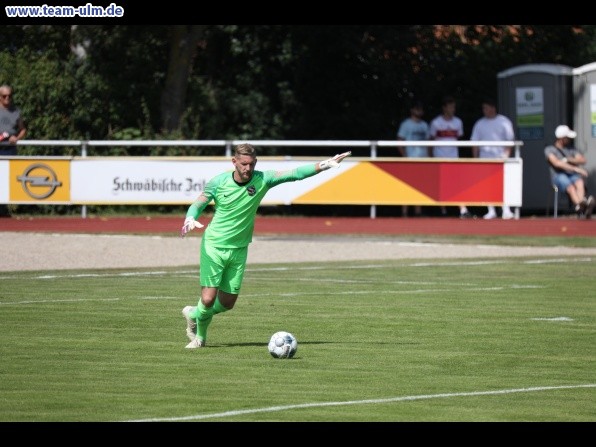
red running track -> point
(564, 226)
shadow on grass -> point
(302, 343)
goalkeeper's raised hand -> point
(189, 224)
(334, 161)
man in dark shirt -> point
(12, 125)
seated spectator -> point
(567, 171)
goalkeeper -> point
(224, 247)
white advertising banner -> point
(5, 181)
(512, 184)
(593, 108)
(179, 181)
(155, 181)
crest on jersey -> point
(251, 190)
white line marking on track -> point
(194, 273)
(359, 402)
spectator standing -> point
(448, 127)
(414, 128)
(12, 125)
(567, 172)
(12, 129)
(493, 127)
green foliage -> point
(129, 63)
(263, 81)
(43, 89)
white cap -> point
(564, 131)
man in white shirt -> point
(493, 127)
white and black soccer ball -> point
(283, 345)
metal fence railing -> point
(227, 145)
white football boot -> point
(195, 343)
(191, 325)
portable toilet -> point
(584, 118)
(536, 98)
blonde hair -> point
(245, 149)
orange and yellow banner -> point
(37, 181)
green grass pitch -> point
(434, 340)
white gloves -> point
(189, 224)
(333, 162)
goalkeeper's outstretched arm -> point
(332, 162)
(305, 171)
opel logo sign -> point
(41, 178)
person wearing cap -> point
(567, 171)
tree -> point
(263, 81)
(183, 41)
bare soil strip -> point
(58, 251)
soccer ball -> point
(283, 345)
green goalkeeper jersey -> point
(236, 204)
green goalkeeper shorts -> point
(223, 267)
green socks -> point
(204, 315)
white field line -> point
(459, 287)
(288, 294)
(294, 268)
(280, 408)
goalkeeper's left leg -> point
(214, 277)
(204, 315)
